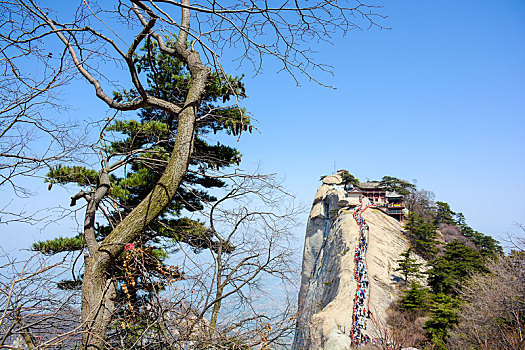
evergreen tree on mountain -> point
(408, 266)
(422, 228)
(143, 152)
(488, 246)
(451, 265)
(444, 215)
(394, 184)
(415, 298)
(449, 271)
(443, 316)
(460, 220)
(422, 234)
(348, 178)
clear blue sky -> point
(439, 98)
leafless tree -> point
(398, 330)
(34, 313)
(30, 78)
(515, 241)
(239, 292)
(422, 203)
(253, 250)
(494, 314)
(32, 137)
(101, 39)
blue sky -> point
(439, 98)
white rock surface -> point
(332, 180)
(328, 286)
(349, 202)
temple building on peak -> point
(391, 203)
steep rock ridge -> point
(328, 285)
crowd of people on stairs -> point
(361, 311)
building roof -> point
(370, 185)
(393, 194)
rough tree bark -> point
(98, 289)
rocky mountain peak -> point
(348, 278)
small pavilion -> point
(395, 205)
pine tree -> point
(488, 246)
(444, 215)
(348, 178)
(409, 266)
(144, 150)
(396, 185)
(449, 271)
(443, 316)
(422, 234)
(415, 298)
(460, 220)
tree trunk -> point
(98, 304)
(97, 288)
(216, 309)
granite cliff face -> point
(329, 283)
